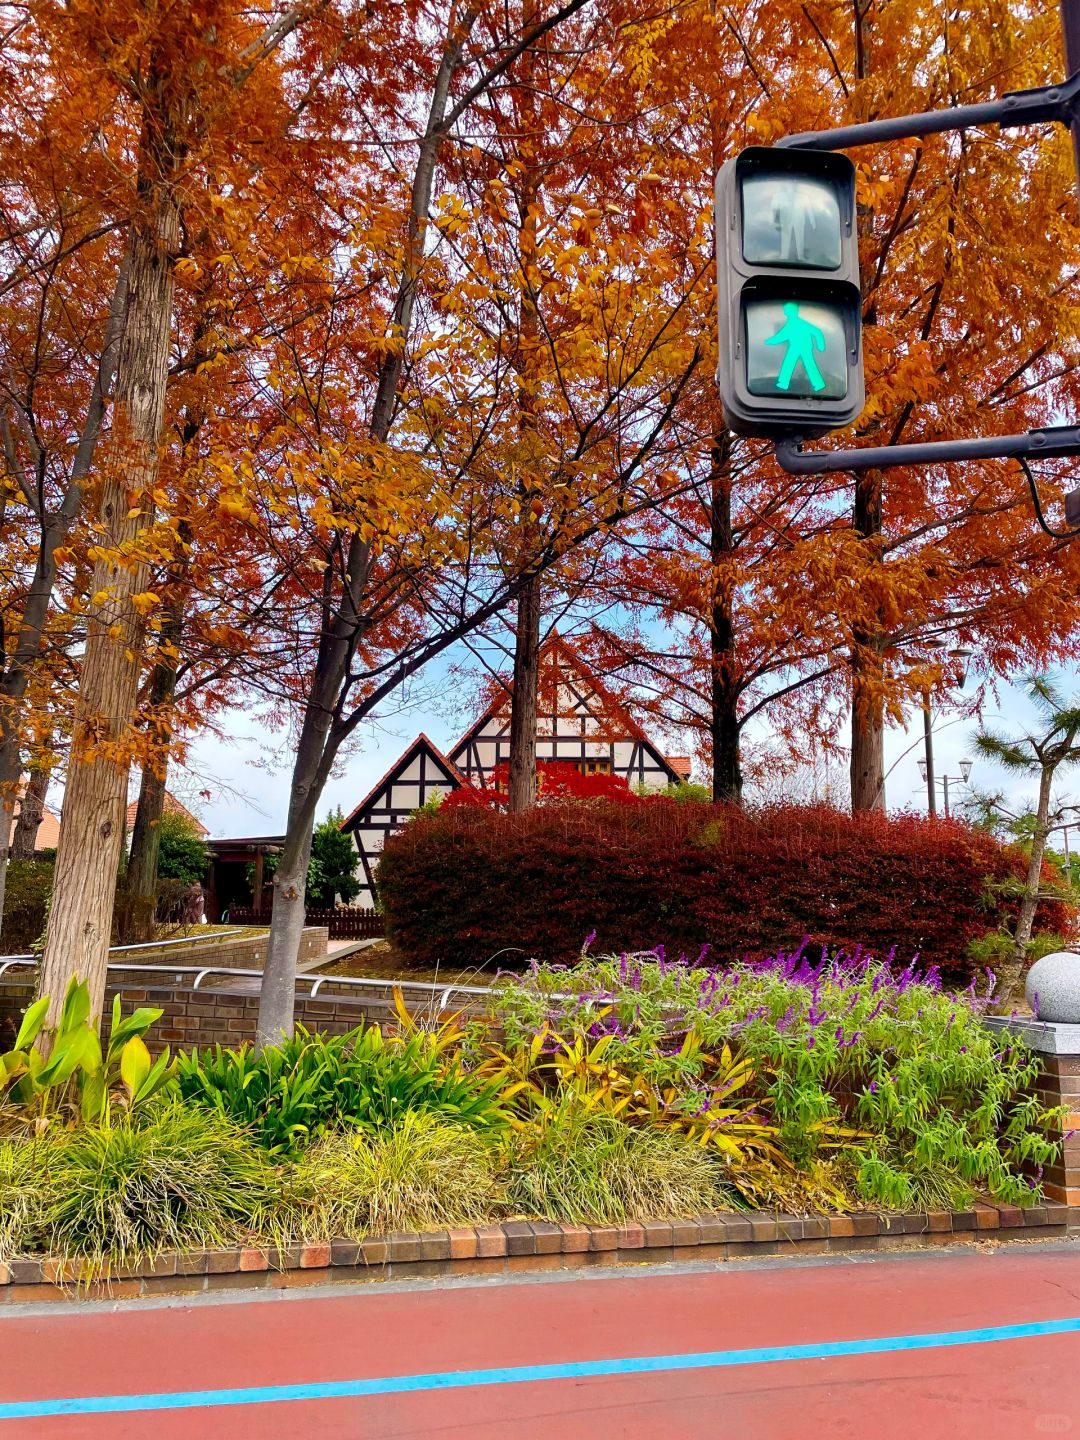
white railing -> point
(348, 983)
(236, 933)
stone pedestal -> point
(1058, 1045)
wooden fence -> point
(343, 924)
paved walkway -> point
(981, 1346)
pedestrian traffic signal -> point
(790, 357)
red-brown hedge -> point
(467, 887)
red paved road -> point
(1001, 1391)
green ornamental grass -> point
(424, 1173)
(24, 1193)
(597, 1168)
(179, 1180)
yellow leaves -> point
(305, 267)
(453, 215)
(237, 506)
(144, 601)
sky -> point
(246, 773)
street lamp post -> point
(926, 766)
(945, 781)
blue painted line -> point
(525, 1374)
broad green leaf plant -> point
(73, 1079)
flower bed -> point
(620, 1091)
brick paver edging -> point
(519, 1245)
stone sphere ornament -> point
(1055, 979)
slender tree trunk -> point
(867, 738)
(867, 668)
(726, 736)
(725, 729)
(525, 694)
(140, 879)
(54, 527)
(524, 700)
(314, 757)
(137, 902)
(31, 810)
(77, 939)
(1012, 977)
(867, 665)
(342, 617)
(324, 727)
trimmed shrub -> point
(466, 886)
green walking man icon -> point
(802, 339)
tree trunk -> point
(524, 700)
(725, 728)
(342, 616)
(92, 833)
(524, 696)
(867, 743)
(140, 879)
(1012, 976)
(277, 996)
(55, 526)
(137, 901)
(31, 810)
(867, 667)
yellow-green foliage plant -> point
(77, 1080)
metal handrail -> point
(14, 960)
(227, 935)
(316, 982)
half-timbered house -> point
(579, 722)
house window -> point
(594, 765)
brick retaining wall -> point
(1060, 1085)
(200, 1017)
(519, 1245)
(233, 952)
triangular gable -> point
(438, 770)
(590, 702)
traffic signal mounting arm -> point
(1044, 104)
(1048, 103)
